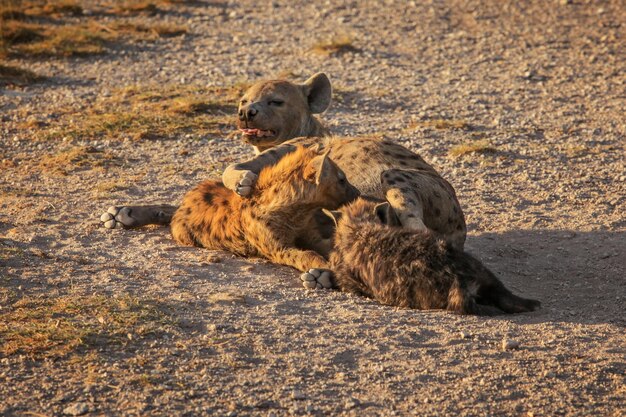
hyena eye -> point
(243, 102)
(275, 103)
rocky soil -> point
(541, 85)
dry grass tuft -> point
(76, 158)
(21, 10)
(15, 32)
(54, 327)
(139, 30)
(61, 7)
(69, 41)
(104, 189)
(335, 45)
(479, 147)
(135, 7)
(27, 30)
(14, 76)
(156, 112)
(26, 39)
(441, 124)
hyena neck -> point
(312, 127)
(309, 126)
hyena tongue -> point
(251, 132)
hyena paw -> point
(136, 216)
(318, 279)
(246, 183)
(117, 218)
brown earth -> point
(529, 96)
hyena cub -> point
(413, 269)
(275, 222)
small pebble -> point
(508, 344)
(76, 409)
(352, 403)
(297, 395)
(213, 258)
(464, 335)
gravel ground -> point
(543, 82)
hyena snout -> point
(248, 112)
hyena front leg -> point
(403, 199)
(423, 200)
(241, 178)
(127, 217)
(313, 265)
(317, 275)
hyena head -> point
(332, 188)
(307, 177)
(363, 211)
(271, 112)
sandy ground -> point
(543, 82)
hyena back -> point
(412, 269)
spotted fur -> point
(413, 269)
(285, 112)
(275, 221)
(379, 168)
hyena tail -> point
(508, 302)
(491, 291)
(462, 301)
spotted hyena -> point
(275, 116)
(275, 221)
(412, 268)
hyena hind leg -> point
(511, 303)
(408, 209)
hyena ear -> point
(317, 148)
(333, 214)
(386, 214)
(320, 169)
(318, 92)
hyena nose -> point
(242, 115)
(251, 112)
